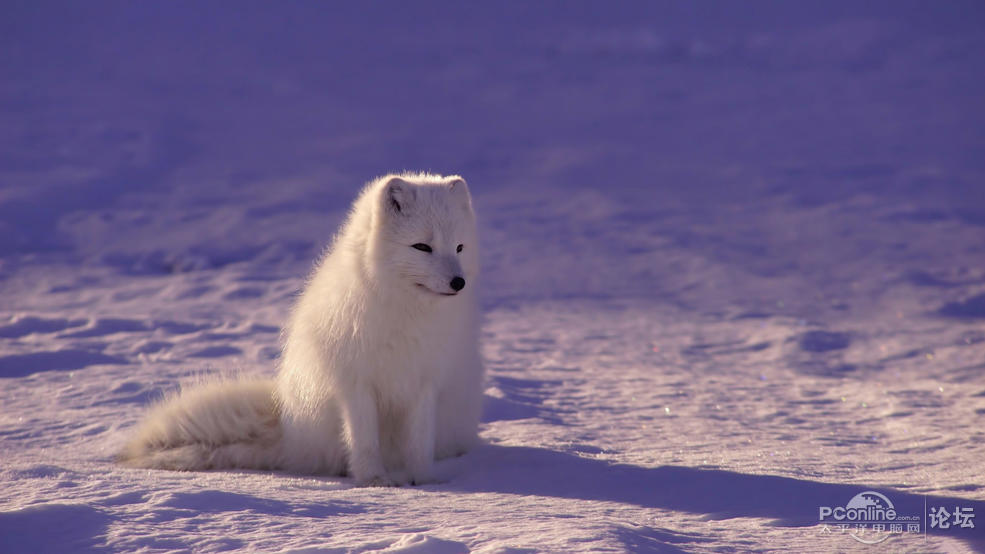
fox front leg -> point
(362, 435)
(419, 438)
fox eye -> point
(459, 249)
(421, 246)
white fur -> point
(381, 370)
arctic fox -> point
(380, 373)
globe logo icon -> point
(863, 501)
(873, 507)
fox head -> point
(426, 233)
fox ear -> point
(460, 189)
(398, 196)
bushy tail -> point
(224, 424)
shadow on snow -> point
(717, 494)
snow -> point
(733, 254)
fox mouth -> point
(438, 293)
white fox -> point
(381, 370)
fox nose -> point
(457, 284)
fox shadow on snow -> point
(718, 494)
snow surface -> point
(734, 262)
